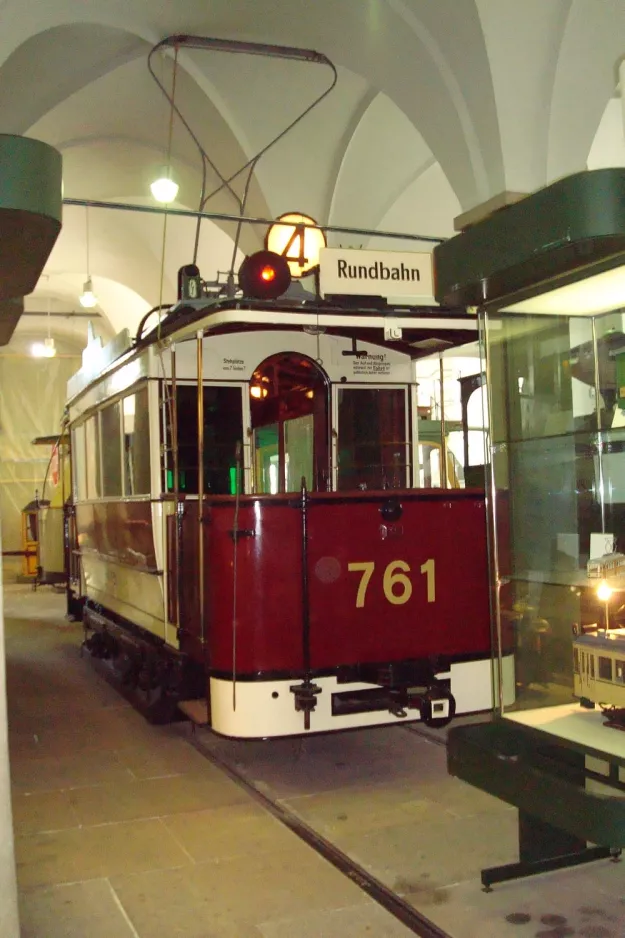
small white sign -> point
(601, 544)
(376, 273)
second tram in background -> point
(252, 541)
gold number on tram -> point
(392, 578)
(429, 569)
(396, 585)
(367, 570)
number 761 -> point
(396, 585)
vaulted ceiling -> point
(438, 107)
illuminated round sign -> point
(298, 244)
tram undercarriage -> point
(156, 678)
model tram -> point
(599, 672)
(608, 565)
(251, 541)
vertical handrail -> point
(492, 541)
(443, 432)
(305, 595)
(597, 378)
(173, 421)
(200, 479)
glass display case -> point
(557, 446)
(547, 278)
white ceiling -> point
(439, 106)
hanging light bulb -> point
(164, 189)
(47, 348)
(87, 298)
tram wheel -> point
(438, 707)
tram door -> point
(289, 413)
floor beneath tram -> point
(124, 830)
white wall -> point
(32, 397)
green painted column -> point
(30, 211)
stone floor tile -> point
(169, 756)
(73, 771)
(574, 895)
(42, 811)
(46, 859)
(250, 890)
(366, 921)
(155, 797)
(439, 851)
(315, 764)
(222, 833)
(94, 852)
(164, 905)
(460, 799)
(360, 809)
(79, 910)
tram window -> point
(576, 660)
(298, 451)
(223, 429)
(619, 667)
(110, 428)
(289, 415)
(79, 467)
(92, 451)
(372, 445)
(592, 665)
(605, 668)
(267, 459)
(136, 443)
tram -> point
(253, 543)
(599, 673)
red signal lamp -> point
(264, 275)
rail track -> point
(397, 906)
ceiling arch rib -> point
(38, 70)
(120, 151)
(594, 36)
(445, 68)
(342, 151)
(523, 43)
(93, 112)
(427, 204)
(373, 171)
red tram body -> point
(286, 565)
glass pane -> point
(298, 452)
(605, 669)
(92, 450)
(289, 400)
(534, 374)
(136, 443)
(110, 418)
(79, 466)
(372, 445)
(267, 459)
(449, 401)
(558, 460)
(223, 429)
